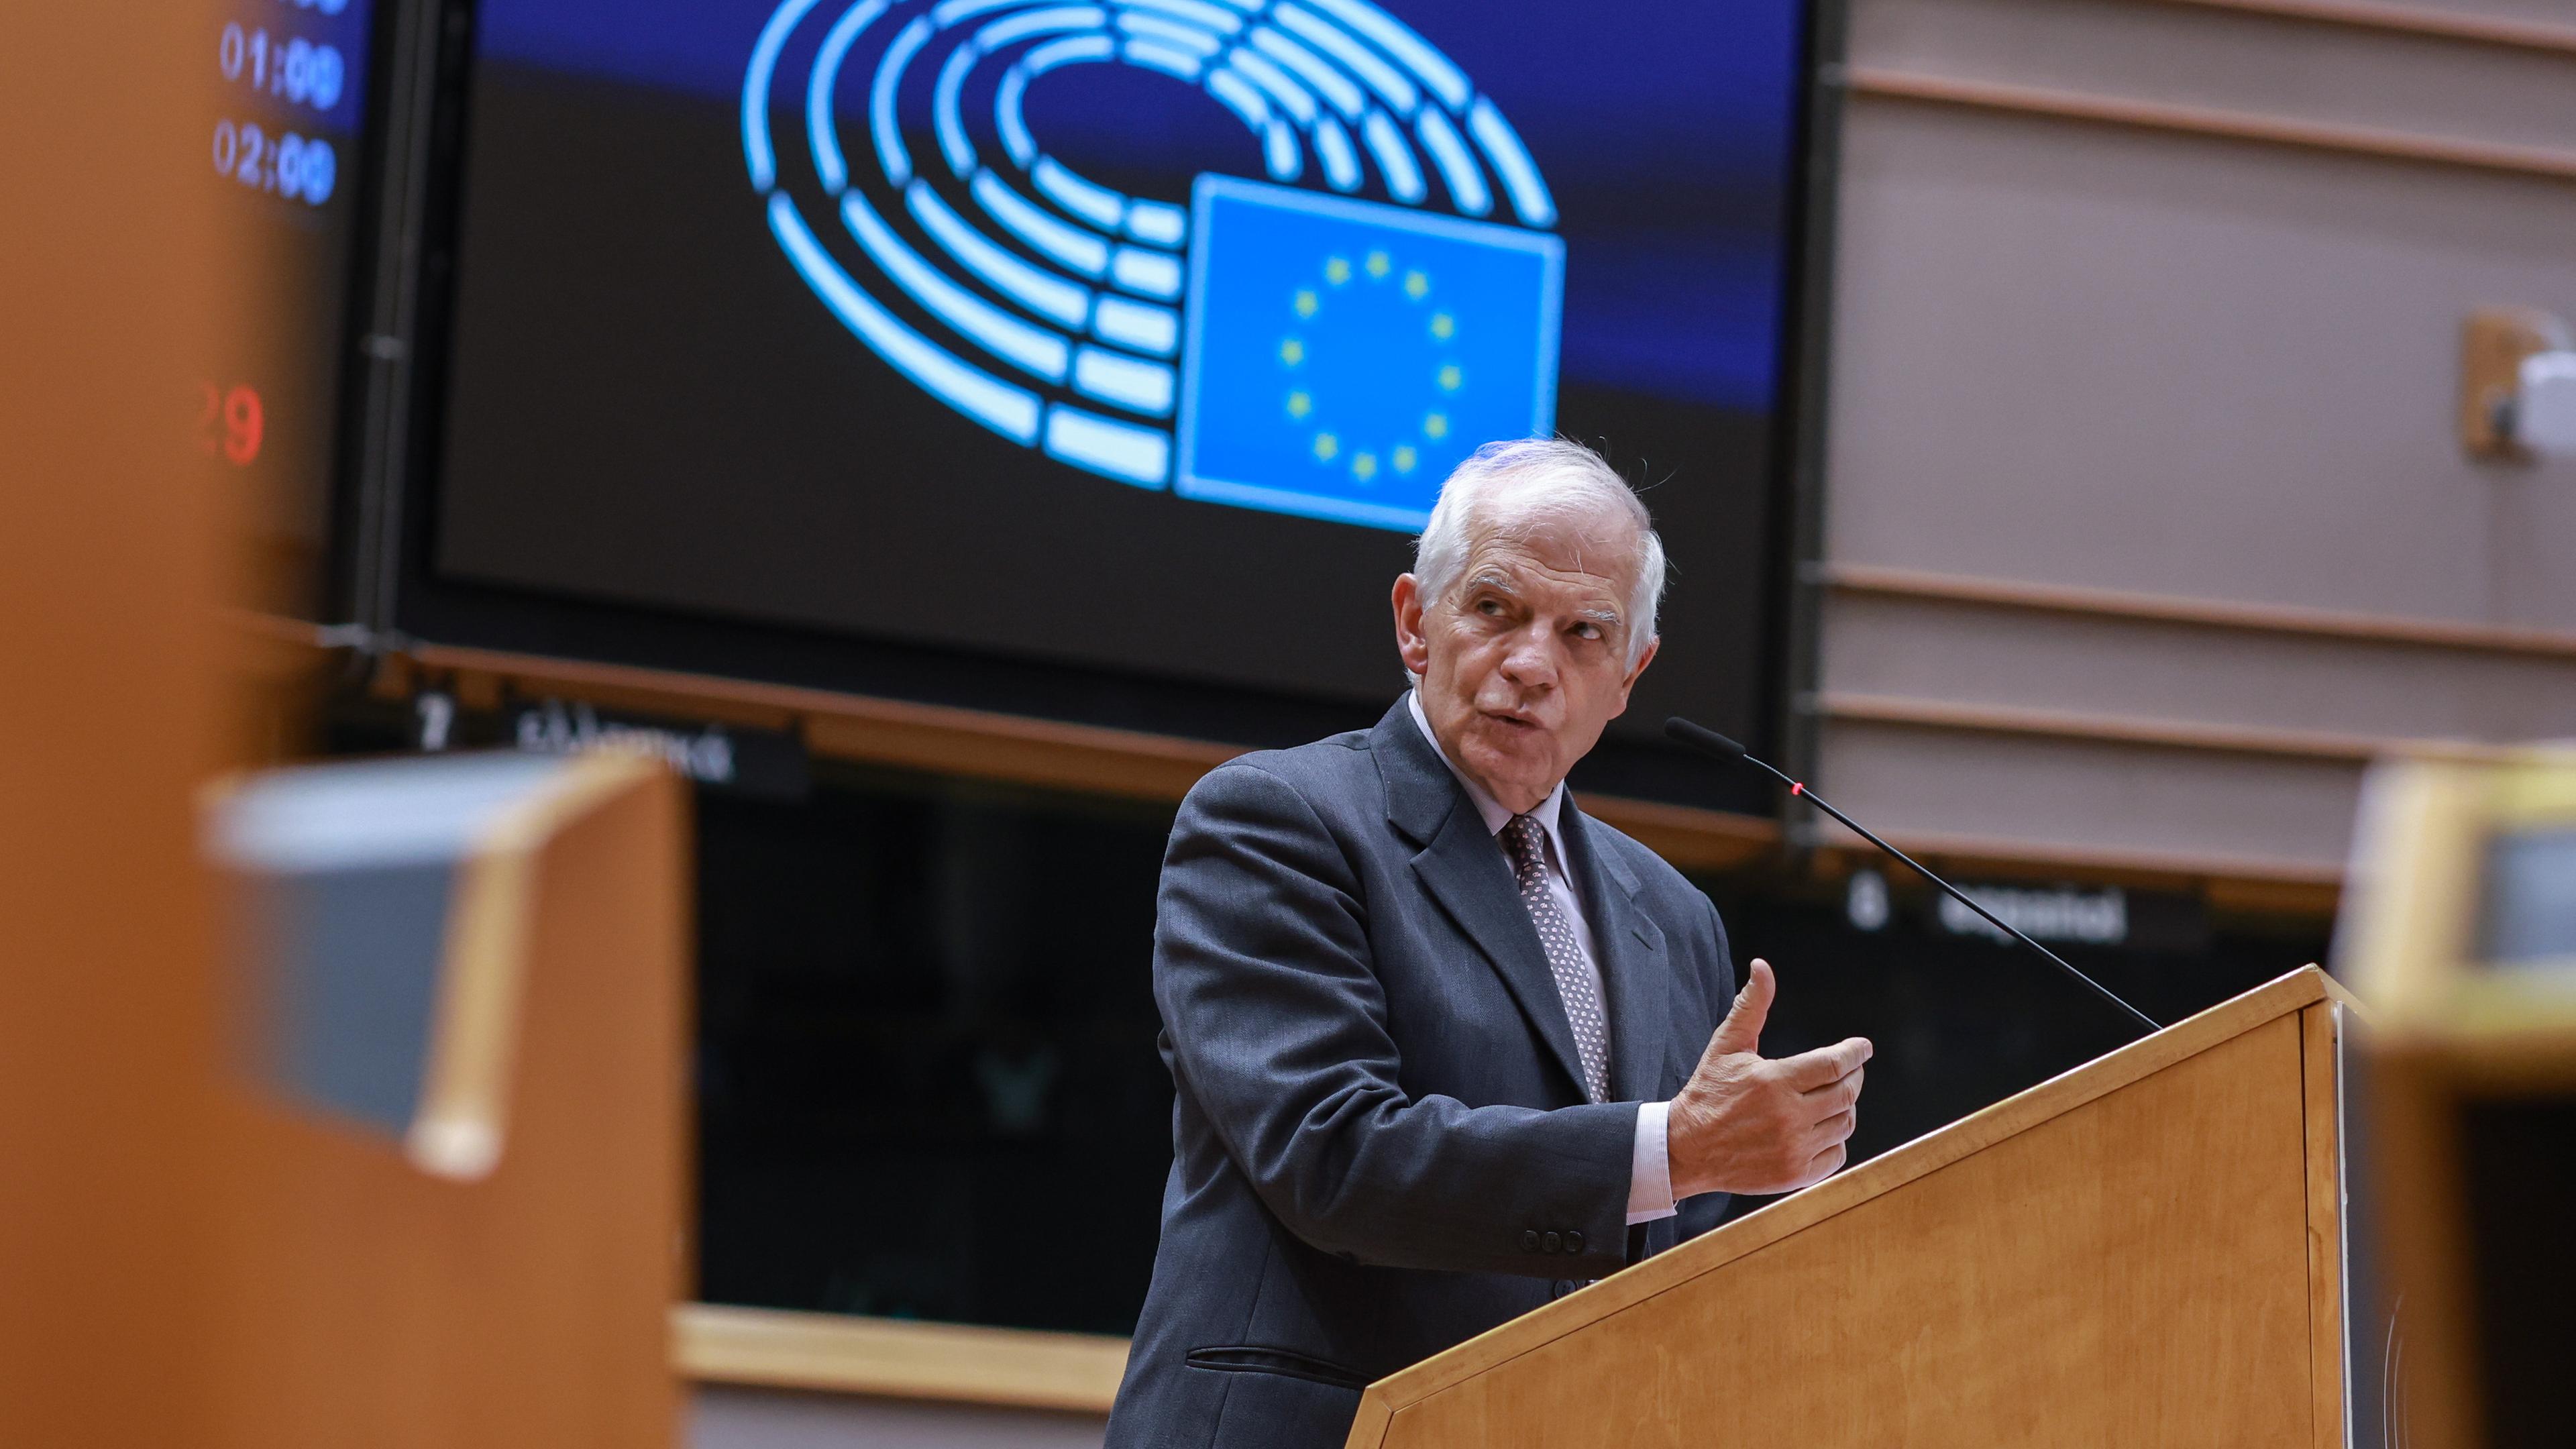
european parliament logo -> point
(1276, 343)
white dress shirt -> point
(1650, 1177)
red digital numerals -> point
(230, 422)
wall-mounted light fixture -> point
(2517, 385)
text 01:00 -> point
(303, 167)
(304, 73)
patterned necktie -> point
(1564, 956)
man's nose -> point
(1531, 661)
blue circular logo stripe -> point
(1054, 303)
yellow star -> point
(1416, 285)
(1292, 352)
(1443, 326)
(1299, 404)
(1435, 425)
(1326, 445)
(1377, 264)
(1450, 377)
(1337, 270)
(1364, 467)
(1306, 302)
(1405, 457)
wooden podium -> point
(2148, 1250)
(460, 1224)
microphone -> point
(1717, 746)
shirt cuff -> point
(1650, 1172)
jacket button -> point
(1574, 1242)
(1555, 1243)
(1529, 1241)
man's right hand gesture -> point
(1746, 1124)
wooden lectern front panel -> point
(2133, 1272)
(379, 1305)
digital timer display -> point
(304, 73)
(230, 423)
(303, 168)
(286, 143)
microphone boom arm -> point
(1714, 743)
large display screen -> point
(1129, 337)
(286, 151)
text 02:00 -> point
(303, 167)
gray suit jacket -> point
(1381, 1145)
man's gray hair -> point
(1528, 483)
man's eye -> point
(1587, 631)
(1489, 607)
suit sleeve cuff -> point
(1650, 1173)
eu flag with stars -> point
(1344, 355)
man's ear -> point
(1645, 657)
(1411, 643)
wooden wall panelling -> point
(2014, 858)
(2235, 814)
(2547, 163)
(2317, 899)
(2159, 464)
(2235, 60)
(979, 744)
(2139, 302)
(2062, 724)
(2220, 614)
(883, 731)
(2188, 676)
(2419, 21)
(2156, 673)
(1048, 755)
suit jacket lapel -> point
(1463, 869)
(1635, 974)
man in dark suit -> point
(1443, 1047)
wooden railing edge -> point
(2131, 606)
(2543, 163)
(1047, 754)
(896, 1358)
(2414, 22)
